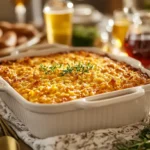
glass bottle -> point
(137, 42)
(129, 7)
(58, 18)
(122, 19)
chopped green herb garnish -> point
(77, 68)
(49, 69)
(82, 68)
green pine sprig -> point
(142, 143)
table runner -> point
(103, 139)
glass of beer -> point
(120, 28)
(58, 18)
(20, 10)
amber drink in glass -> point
(58, 19)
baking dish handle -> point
(128, 95)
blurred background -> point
(114, 26)
(104, 6)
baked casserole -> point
(63, 77)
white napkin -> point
(94, 140)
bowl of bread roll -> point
(17, 35)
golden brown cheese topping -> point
(64, 77)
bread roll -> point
(9, 39)
(1, 33)
(25, 30)
(22, 40)
(5, 26)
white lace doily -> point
(94, 140)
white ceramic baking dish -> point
(106, 110)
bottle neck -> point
(129, 6)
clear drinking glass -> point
(58, 18)
(120, 28)
(20, 10)
(137, 42)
